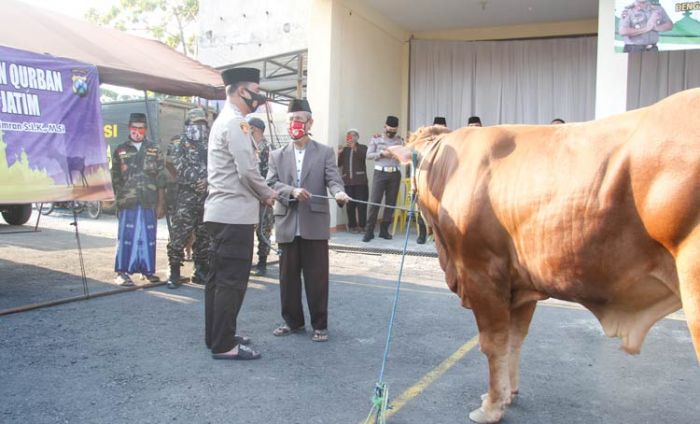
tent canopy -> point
(121, 59)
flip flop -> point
(244, 354)
(285, 330)
(320, 336)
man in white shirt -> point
(298, 171)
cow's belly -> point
(605, 261)
(584, 255)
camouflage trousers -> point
(171, 199)
(264, 229)
(187, 219)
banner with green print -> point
(656, 25)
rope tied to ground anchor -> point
(380, 397)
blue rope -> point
(398, 288)
(380, 400)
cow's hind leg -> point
(493, 323)
(688, 268)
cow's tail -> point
(688, 268)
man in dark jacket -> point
(353, 167)
(139, 183)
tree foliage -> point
(166, 20)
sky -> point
(73, 8)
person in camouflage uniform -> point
(265, 219)
(171, 181)
(190, 162)
(138, 181)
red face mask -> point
(348, 138)
(297, 130)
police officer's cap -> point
(139, 118)
(196, 115)
(257, 123)
(440, 120)
(392, 121)
(299, 105)
(236, 75)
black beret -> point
(392, 121)
(235, 75)
(299, 105)
(474, 120)
(439, 120)
(257, 123)
(138, 118)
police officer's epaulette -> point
(245, 127)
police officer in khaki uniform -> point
(640, 25)
(231, 213)
(387, 178)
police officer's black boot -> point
(384, 231)
(174, 278)
(369, 233)
(421, 232)
(261, 268)
(199, 275)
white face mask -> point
(196, 132)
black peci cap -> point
(474, 120)
(392, 121)
(440, 120)
(299, 105)
(236, 75)
(257, 123)
(139, 118)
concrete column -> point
(611, 72)
(323, 77)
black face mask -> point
(254, 97)
(390, 134)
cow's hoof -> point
(481, 416)
(513, 396)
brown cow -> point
(603, 213)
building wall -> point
(358, 73)
(234, 31)
(512, 32)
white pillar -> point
(323, 77)
(611, 72)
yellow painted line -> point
(427, 379)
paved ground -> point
(139, 356)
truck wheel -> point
(94, 209)
(17, 214)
